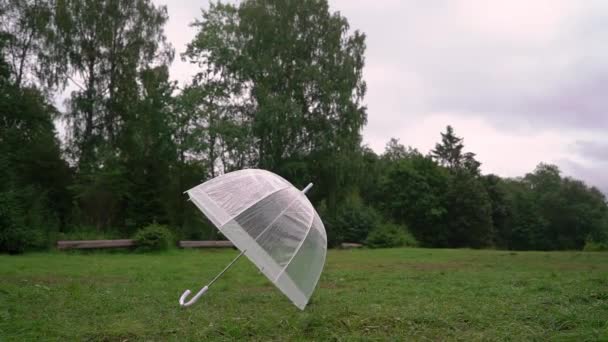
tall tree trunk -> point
(22, 59)
(87, 148)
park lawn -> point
(407, 294)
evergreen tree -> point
(449, 152)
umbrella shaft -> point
(226, 268)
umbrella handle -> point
(194, 299)
(202, 291)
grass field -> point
(408, 294)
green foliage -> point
(13, 234)
(296, 70)
(149, 151)
(26, 221)
(88, 233)
(469, 214)
(449, 153)
(351, 222)
(395, 151)
(550, 212)
(413, 194)
(28, 23)
(593, 246)
(390, 235)
(154, 237)
(279, 87)
(501, 210)
(33, 175)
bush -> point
(352, 222)
(89, 233)
(13, 235)
(593, 246)
(154, 237)
(390, 235)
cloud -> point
(596, 151)
(592, 174)
(514, 62)
(521, 81)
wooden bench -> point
(350, 245)
(91, 244)
(125, 243)
(205, 244)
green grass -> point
(405, 294)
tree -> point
(104, 45)
(149, 152)
(33, 197)
(501, 211)
(548, 212)
(449, 153)
(28, 23)
(544, 184)
(469, 212)
(468, 206)
(526, 227)
(352, 221)
(582, 217)
(396, 151)
(414, 194)
(117, 116)
(372, 171)
(571, 210)
(290, 72)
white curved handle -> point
(194, 299)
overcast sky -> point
(521, 81)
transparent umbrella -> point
(272, 223)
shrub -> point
(154, 237)
(351, 222)
(89, 233)
(13, 235)
(593, 246)
(390, 235)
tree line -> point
(278, 86)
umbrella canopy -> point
(272, 223)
